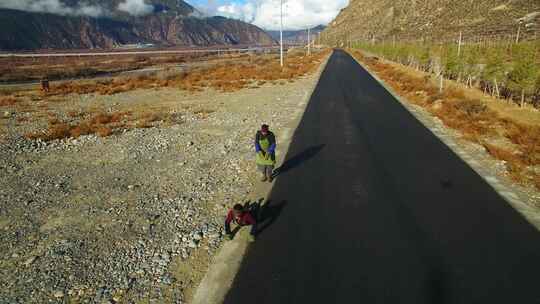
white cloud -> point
(136, 7)
(245, 12)
(52, 7)
(297, 14)
(132, 7)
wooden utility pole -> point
(281, 34)
(459, 44)
(309, 41)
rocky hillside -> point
(297, 36)
(162, 22)
(435, 19)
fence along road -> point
(371, 207)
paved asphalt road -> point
(372, 208)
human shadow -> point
(254, 207)
(235, 231)
(298, 159)
(266, 213)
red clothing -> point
(244, 219)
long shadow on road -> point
(298, 159)
(268, 214)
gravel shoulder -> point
(135, 217)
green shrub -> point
(495, 66)
(451, 62)
(515, 67)
(525, 70)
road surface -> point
(372, 208)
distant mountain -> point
(435, 20)
(295, 37)
(159, 22)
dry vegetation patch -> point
(61, 115)
(102, 124)
(224, 77)
(8, 101)
(472, 117)
(14, 69)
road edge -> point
(530, 214)
(225, 264)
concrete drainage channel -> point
(226, 263)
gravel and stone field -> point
(134, 217)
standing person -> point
(265, 146)
(45, 84)
(241, 217)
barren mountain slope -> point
(435, 19)
(172, 22)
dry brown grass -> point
(516, 165)
(55, 131)
(500, 153)
(471, 117)
(150, 116)
(147, 119)
(203, 113)
(8, 101)
(143, 124)
(74, 114)
(23, 119)
(103, 131)
(536, 180)
(102, 124)
(81, 129)
(53, 121)
(475, 121)
(100, 87)
(221, 77)
(527, 138)
(107, 118)
(232, 78)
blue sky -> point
(298, 14)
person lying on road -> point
(241, 217)
(45, 85)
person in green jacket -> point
(265, 146)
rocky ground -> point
(134, 217)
